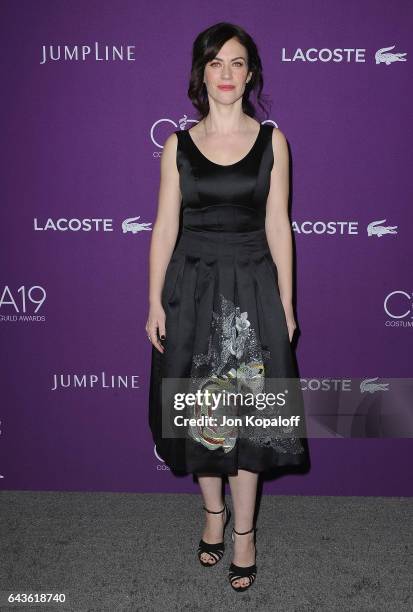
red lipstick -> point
(226, 87)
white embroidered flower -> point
(242, 322)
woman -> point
(220, 298)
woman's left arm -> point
(278, 227)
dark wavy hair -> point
(205, 47)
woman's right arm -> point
(164, 234)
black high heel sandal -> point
(236, 571)
(214, 550)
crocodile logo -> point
(382, 56)
(375, 228)
(130, 225)
(370, 386)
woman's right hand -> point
(155, 325)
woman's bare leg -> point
(244, 493)
(211, 487)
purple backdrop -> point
(83, 136)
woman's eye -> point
(235, 63)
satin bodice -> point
(225, 198)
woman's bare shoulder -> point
(168, 158)
(171, 142)
(278, 135)
(279, 141)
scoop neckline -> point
(226, 165)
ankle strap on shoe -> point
(215, 511)
(243, 532)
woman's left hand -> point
(289, 316)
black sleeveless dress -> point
(225, 323)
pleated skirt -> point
(225, 324)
